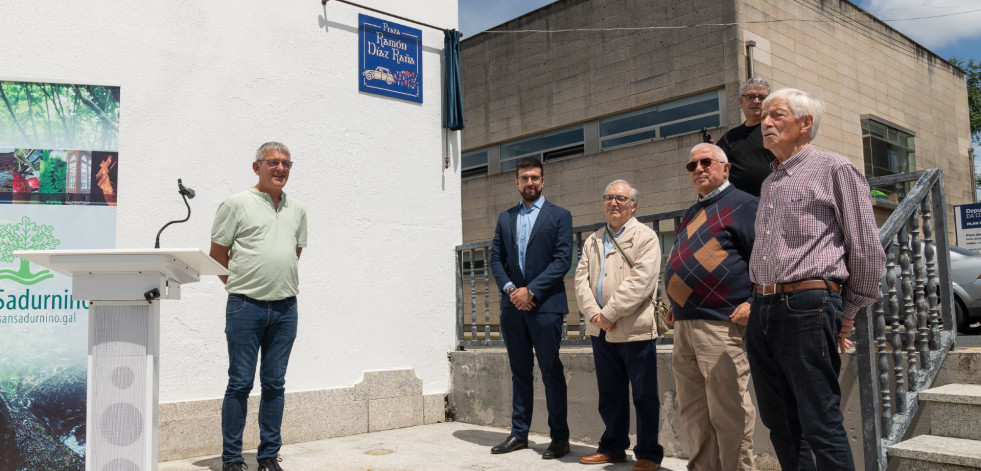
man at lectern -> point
(258, 235)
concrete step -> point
(955, 410)
(933, 453)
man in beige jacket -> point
(615, 279)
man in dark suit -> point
(532, 251)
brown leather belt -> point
(784, 288)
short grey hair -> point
(802, 104)
(633, 191)
(720, 154)
(755, 81)
(271, 146)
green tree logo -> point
(25, 236)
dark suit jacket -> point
(547, 258)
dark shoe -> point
(509, 445)
(645, 465)
(236, 466)
(270, 464)
(599, 458)
(556, 449)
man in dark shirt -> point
(743, 144)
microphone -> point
(185, 193)
(183, 190)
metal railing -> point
(478, 321)
(902, 339)
(905, 336)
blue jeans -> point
(792, 342)
(620, 368)
(255, 328)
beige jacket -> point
(626, 292)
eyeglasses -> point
(751, 97)
(273, 163)
(705, 163)
(618, 198)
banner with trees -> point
(58, 190)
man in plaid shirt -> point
(817, 260)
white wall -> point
(204, 83)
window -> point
(85, 172)
(545, 147)
(673, 118)
(661, 121)
(72, 169)
(474, 163)
(888, 149)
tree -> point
(973, 70)
(25, 236)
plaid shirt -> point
(815, 220)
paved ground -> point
(448, 446)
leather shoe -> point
(509, 445)
(599, 458)
(556, 449)
(645, 465)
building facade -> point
(622, 89)
(200, 87)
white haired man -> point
(817, 260)
(615, 279)
(707, 279)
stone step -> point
(933, 453)
(955, 410)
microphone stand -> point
(185, 193)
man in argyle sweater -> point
(708, 284)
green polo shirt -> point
(263, 241)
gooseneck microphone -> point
(185, 193)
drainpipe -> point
(750, 45)
(970, 158)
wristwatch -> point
(509, 289)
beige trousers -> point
(711, 374)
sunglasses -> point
(705, 163)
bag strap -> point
(630, 263)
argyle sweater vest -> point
(708, 271)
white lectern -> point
(124, 288)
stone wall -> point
(481, 394)
(383, 400)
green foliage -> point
(25, 236)
(57, 116)
(973, 70)
(52, 174)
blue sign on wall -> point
(967, 226)
(970, 216)
(391, 59)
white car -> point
(965, 274)
(380, 73)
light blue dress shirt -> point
(607, 248)
(526, 221)
(716, 191)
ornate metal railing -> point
(477, 296)
(905, 336)
(901, 340)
